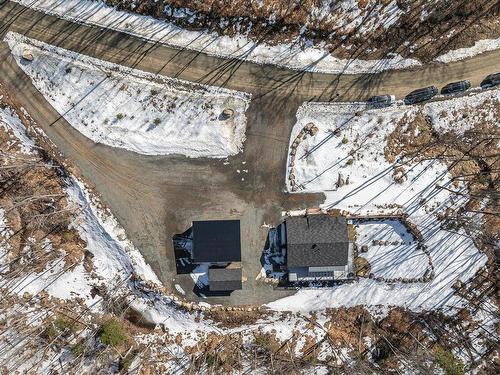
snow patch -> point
(479, 47)
(397, 256)
(134, 110)
(9, 120)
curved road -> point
(155, 197)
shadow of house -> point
(272, 257)
(183, 245)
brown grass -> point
(35, 203)
(231, 319)
(220, 352)
(363, 267)
(472, 158)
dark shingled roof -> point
(220, 279)
(216, 241)
(316, 241)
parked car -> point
(381, 101)
(421, 95)
(455, 87)
(491, 80)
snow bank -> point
(291, 55)
(357, 152)
(479, 47)
(134, 110)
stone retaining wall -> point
(148, 288)
(309, 130)
(417, 235)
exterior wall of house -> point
(350, 259)
(282, 230)
(318, 273)
(327, 269)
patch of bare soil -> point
(425, 29)
(363, 267)
(344, 326)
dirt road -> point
(155, 197)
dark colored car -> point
(491, 81)
(421, 95)
(455, 87)
(381, 101)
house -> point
(317, 247)
(218, 243)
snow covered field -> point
(351, 141)
(114, 256)
(134, 110)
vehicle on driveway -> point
(421, 95)
(491, 81)
(381, 101)
(455, 87)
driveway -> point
(156, 197)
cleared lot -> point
(156, 196)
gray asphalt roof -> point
(220, 279)
(316, 241)
(216, 241)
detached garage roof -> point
(224, 279)
(216, 241)
(316, 241)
